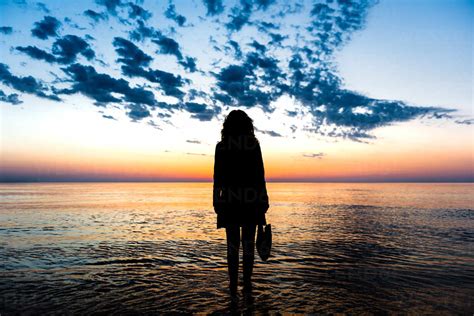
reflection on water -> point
(134, 247)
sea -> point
(153, 248)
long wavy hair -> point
(237, 124)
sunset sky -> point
(338, 90)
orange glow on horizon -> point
(185, 166)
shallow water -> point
(81, 248)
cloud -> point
(241, 13)
(97, 17)
(138, 112)
(134, 61)
(200, 111)
(142, 31)
(255, 82)
(110, 5)
(292, 58)
(314, 155)
(131, 55)
(36, 53)
(189, 64)
(68, 47)
(47, 27)
(110, 117)
(41, 6)
(171, 14)
(193, 141)
(154, 125)
(168, 46)
(9, 98)
(277, 39)
(267, 26)
(7, 30)
(465, 122)
(214, 7)
(136, 11)
(168, 82)
(102, 87)
(25, 84)
(65, 50)
(269, 132)
(236, 48)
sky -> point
(341, 90)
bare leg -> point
(248, 245)
(233, 241)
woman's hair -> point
(237, 123)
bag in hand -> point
(264, 241)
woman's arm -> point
(217, 187)
(261, 184)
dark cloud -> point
(314, 83)
(68, 47)
(238, 19)
(110, 5)
(154, 125)
(7, 30)
(134, 61)
(193, 141)
(258, 47)
(171, 14)
(73, 24)
(291, 113)
(25, 84)
(138, 112)
(267, 26)
(36, 53)
(254, 72)
(65, 50)
(352, 113)
(168, 82)
(142, 31)
(189, 64)
(214, 7)
(9, 98)
(255, 82)
(41, 6)
(101, 87)
(109, 117)
(241, 13)
(465, 122)
(269, 132)
(314, 155)
(168, 46)
(130, 54)
(136, 11)
(47, 27)
(236, 48)
(277, 39)
(200, 111)
(97, 17)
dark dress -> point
(240, 195)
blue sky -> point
(314, 71)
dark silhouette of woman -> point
(240, 197)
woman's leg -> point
(233, 241)
(248, 245)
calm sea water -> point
(153, 247)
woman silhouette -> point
(240, 196)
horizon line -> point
(210, 181)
